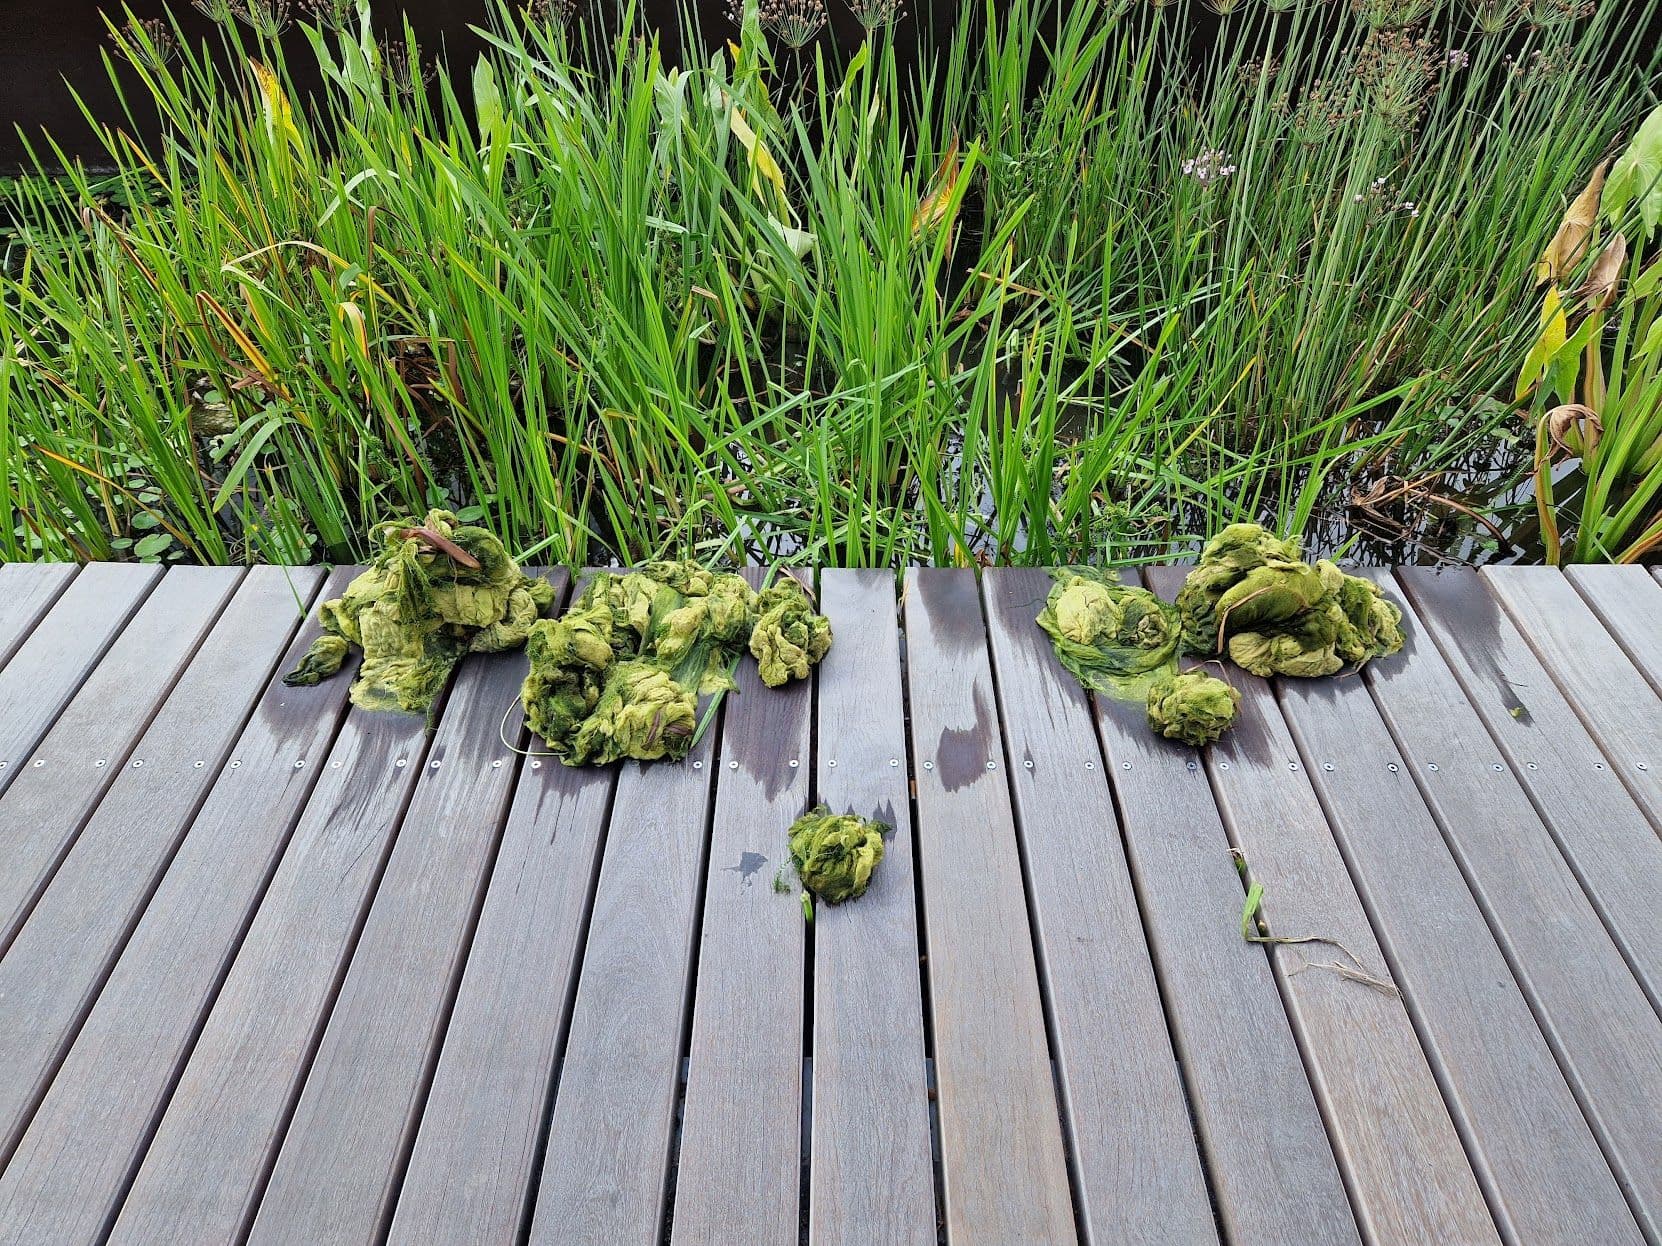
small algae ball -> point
(789, 637)
(1195, 707)
(835, 853)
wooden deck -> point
(275, 971)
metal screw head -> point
(101, 761)
(235, 764)
(1327, 765)
(697, 765)
(1598, 765)
(1191, 765)
(1090, 765)
(39, 763)
(928, 765)
(1643, 765)
(992, 765)
(497, 764)
(301, 764)
(894, 761)
(1028, 764)
(1497, 766)
(435, 765)
(1392, 767)
(537, 765)
(200, 764)
(1531, 766)
(137, 762)
(400, 763)
(732, 765)
(832, 763)
(1223, 765)
(1431, 765)
(1292, 765)
(1125, 765)
(795, 763)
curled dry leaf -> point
(1569, 244)
(1600, 290)
(1574, 429)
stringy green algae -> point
(1114, 638)
(1194, 707)
(619, 675)
(1255, 599)
(835, 853)
(420, 608)
(1252, 597)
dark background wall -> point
(48, 47)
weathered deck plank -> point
(1543, 1173)
(56, 656)
(1405, 1166)
(358, 1000)
(51, 973)
(604, 1170)
(1616, 705)
(1002, 1159)
(1138, 1170)
(204, 1171)
(1240, 1059)
(870, 1170)
(1630, 607)
(1601, 830)
(45, 806)
(27, 591)
(741, 1124)
(1602, 1028)
(337, 1175)
(90, 1130)
(475, 1159)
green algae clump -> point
(1255, 599)
(619, 675)
(1114, 638)
(789, 636)
(835, 853)
(437, 591)
(1195, 708)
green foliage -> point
(1056, 299)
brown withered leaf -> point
(1569, 244)
(1574, 429)
(936, 202)
(1600, 290)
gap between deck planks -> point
(411, 1022)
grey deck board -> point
(474, 1165)
(1138, 1171)
(1616, 705)
(90, 1130)
(54, 967)
(60, 786)
(870, 1169)
(740, 1160)
(51, 663)
(1602, 1027)
(605, 1169)
(27, 591)
(1602, 832)
(337, 1175)
(1630, 607)
(1003, 1167)
(1405, 1166)
(1271, 1166)
(206, 1167)
(1543, 1172)
(354, 1000)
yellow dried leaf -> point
(1569, 244)
(937, 201)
